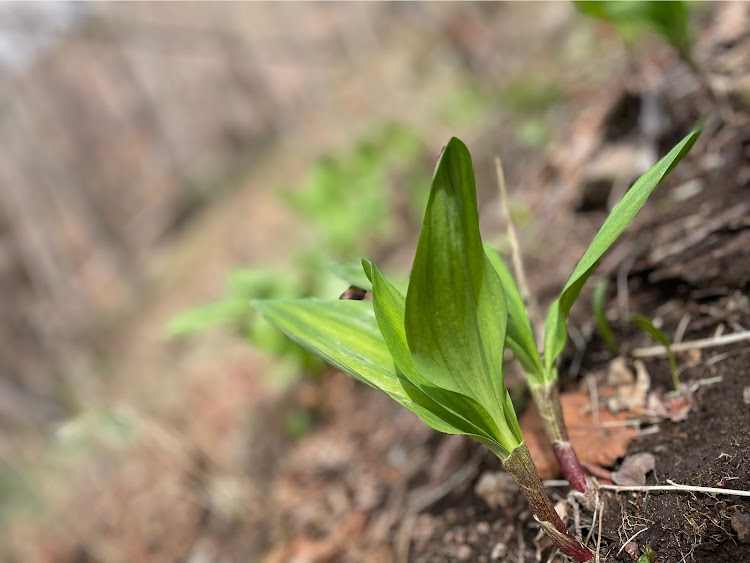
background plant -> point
(344, 205)
(671, 20)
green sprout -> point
(644, 323)
(648, 555)
(541, 369)
(438, 351)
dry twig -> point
(675, 487)
(722, 340)
(521, 280)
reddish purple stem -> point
(571, 467)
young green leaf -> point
(456, 314)
(555, 331)
(645, 324)
(346, 335)
(519, 337)
(389, 306)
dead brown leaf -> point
(594, 444)
(634, 469)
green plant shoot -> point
(438, 351)
(645, 324)
(541, 370)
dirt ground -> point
(206, 472)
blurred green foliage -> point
(670, 19)
(530, 95)
(347, 200)
(464, 105)
(346, 204)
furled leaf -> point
(456, 315)
(346, 335)
(519, 337)
(555, 331)
(467, 414)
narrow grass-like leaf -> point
(346, 335)
(519, 336)
(645, 324)
(555, 331)
(600, 314)
(456, 315)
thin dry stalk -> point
(599, 539)
(523, 286)
(712, 342)
(675, 487)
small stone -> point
(499, 551)
(463, 553)
(631, 548)
(496, 489)
(746, 395)
(483, 527)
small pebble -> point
(483, 527)
(463, 553)
(499, 550)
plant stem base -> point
(521, 467)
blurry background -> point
(156, 158)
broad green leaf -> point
(468, 415)
(346, 335)
(519, 337)
(456, 315)
(555, 331)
